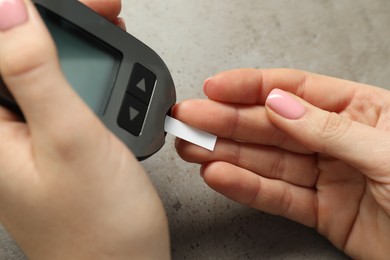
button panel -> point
(136, 100)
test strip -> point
(189, 133)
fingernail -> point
(12, 13)
(120, 22)
(285, 105)
(201, 171)
(206, 82)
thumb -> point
(30, 68)
(361, 146)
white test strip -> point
(189, 133)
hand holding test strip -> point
(190, 134)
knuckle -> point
(333, 127)
(22, 59)
(64, 146)
(278, 166)
(71, 148)
(285, 202)
(75, 142)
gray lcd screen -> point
(89, 65)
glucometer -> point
(125, 82)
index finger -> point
(252, 86)
(110, 9)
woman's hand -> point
(69, 189)
(319, 157)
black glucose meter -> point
(124, 82)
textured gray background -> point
(198, 38)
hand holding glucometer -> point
(122, 80)
(70, 188)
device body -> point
(124, 81)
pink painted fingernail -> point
(205, 84)
(12, 13)
(285, 105)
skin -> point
(327, 169)
(68, 193)
(69, 189)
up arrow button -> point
(141, 85)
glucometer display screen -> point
(89, 65)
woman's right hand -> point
(311, 148)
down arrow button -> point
(132, 115)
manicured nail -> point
(201, 171)
(120, 22)
(206, 82)
(12, 13)
(285, 105)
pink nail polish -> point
(285, 105)
(206, 82)
(12, 13)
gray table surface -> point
(349, 39)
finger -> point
(241, 86)
(252, 86)
(120, 22)
(359, 145)
(265, 161)
(30, 69)
(110, 9)
(7, 116)
(272, 196)
(237, 122)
